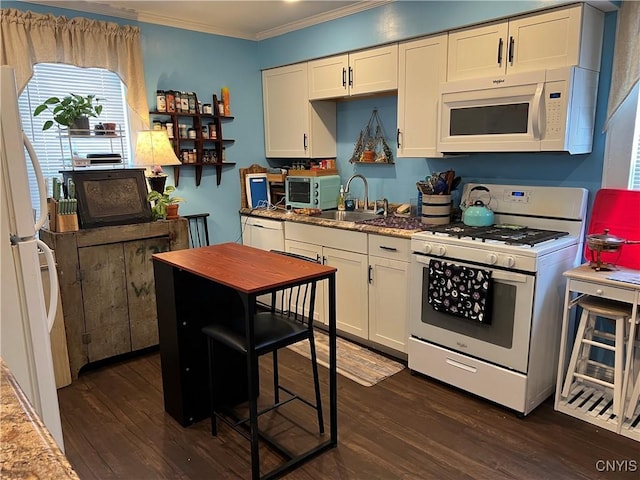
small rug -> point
(354, 362)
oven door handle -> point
(501, 275)
(508, 276)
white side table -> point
(589, 403)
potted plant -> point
(73, 111)
(166, 205)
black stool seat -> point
(271, 332)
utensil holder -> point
(436, 209)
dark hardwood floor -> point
(405, 427)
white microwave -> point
(540, 111)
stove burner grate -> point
(509, 234)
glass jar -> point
(191, 133)
(171, 101)
(184, 102)
(161, 101)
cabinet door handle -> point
(344, 77)
(388, 249)
(350, 77)
(318, 257)
(500, 51)
(304, 141)
(324, 260)
(370, 274)
(511, 44)
(398, 138)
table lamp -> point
(154, 150)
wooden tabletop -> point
(244, 268)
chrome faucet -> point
(366, 189)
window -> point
(60, 80)
(634, 177)
(622, 152)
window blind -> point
(634, 177)
(54, 151)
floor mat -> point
(354, 362)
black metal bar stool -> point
(198, 229)
(288, 320)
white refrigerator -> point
(25, 324)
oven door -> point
(503, 341)
(299, 192)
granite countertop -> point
(27, 449)
(369, 227)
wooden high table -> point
(196, 286)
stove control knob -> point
(426, 248)
(441, 250)
(492, 258)
(509, 261)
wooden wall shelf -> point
(200, 144)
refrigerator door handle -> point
(53, 282)
(42, 188)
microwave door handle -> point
(536, 109)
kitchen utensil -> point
(605, 242)
(475, 213)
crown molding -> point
(156, 19)
(321, 18)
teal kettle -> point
(475, 213)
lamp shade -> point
(153, 148)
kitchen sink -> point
(370, 218)
(347, 216)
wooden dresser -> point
(107, 286)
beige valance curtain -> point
(626, 59)
(29, 38)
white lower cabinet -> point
(351, 290)
(351, 277)
(389, 291)
(371, 280)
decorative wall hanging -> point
(371, 145)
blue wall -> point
(192, 61)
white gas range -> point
(509, 356)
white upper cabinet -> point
(358, 73)
(557, 38)
(422, 66)
(294, 127)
